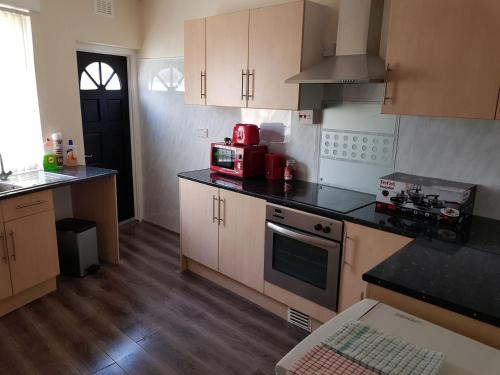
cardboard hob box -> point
(426, 197)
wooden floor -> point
(143, 317)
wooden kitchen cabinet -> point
(248, 55)
(32, 245)
(28, 243)
(443, 58)
(227, 59)
(364, 248)
(5, 282)
(233, 245)
(241, 238)
(275, 54)
(194, 61)
(199, 224)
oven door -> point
(223, 157)
(304, 264)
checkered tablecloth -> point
(358, 349)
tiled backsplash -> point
(462, 150)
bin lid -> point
(74, 225)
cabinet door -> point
(199, 225)
(194, 61)
(444, 58)
(32, 245)
(5, 282)
(364, 248)
(275, 53)
(227, 59)
(241, 238)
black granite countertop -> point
(30, 182)
(457, 268)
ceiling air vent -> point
(299, 319)
(104, 8)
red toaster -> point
(246, 134)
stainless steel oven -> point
(303, 254)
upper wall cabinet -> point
(250, 54)
(443, 58)
(275, 54)
(227, 59)
(194, 61)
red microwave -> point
(238, 160)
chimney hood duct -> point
(358, 44)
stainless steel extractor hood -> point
(358, 43)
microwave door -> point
(223, 157)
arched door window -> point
(99, 74)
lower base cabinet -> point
(224, 231)
(32, 241)
(199, 224)
(241, 238)
(364, 248)
(28, 243)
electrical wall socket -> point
(202, 133)
(309, 117)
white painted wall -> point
(56, 30)
(162, 21)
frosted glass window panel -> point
(157, 85)
(20, 129)
(106, 72)
(86, 83)
(93, 71)
(114, 83)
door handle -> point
(344, 261)
(244, 93)
(222, 220)
(203, 82)
(11, 234)
(311, 240)
(387, 71)
(35, 203)
(251, 96)
(5, 256)
(89, 156)
(214, 199)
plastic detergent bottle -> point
(58, 148)
(71, 155)
(49, 158)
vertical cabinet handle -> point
(252, 90)
(344, 252)
(215, 199)
(244, 92)
(203, 84)
(5, 256)
(222, 220)
(11, 234)
(387, 71)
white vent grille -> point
(104, 8)
(299, 319)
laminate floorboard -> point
(143, 317)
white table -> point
(463, 356)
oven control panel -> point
(304, 221)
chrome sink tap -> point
(3, 176)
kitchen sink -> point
(4, 186)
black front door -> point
(105, 120)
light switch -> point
(309, 117)
(202, 133)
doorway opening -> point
(104, 102)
